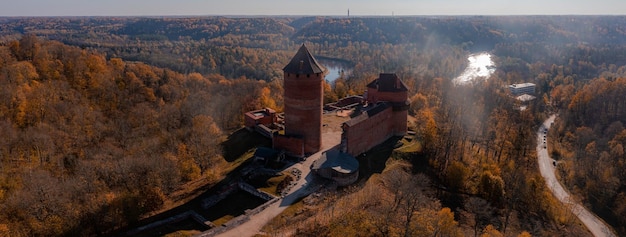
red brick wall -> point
(251, 121)
(374, 96)
(400, 122)
(373, 131)
(292, 145)
(363, 136)
(303, 109)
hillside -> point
(255, 47)
(91, 144)
(105, 120)
(591, 144)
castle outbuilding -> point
(383, 116)
(338, 166)
(388, 88)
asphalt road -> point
(547, 168)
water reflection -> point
(480, 67)
(335, 69)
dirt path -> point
(302, 188)
(547, 168)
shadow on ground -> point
(241, 141)
(374, 161)
(299, 194)
(234, 147)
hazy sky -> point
(308, 7)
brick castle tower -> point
(389, 88)
(303, 95)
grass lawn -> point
(410, 146)
(223, 220)
(271, 184)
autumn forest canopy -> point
(107, 120)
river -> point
(335, 69)
(480, 67)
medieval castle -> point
(382, 114)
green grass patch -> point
(239, 160)
(271, 184)
(222, 220)
(410, 146)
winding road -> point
(547, 168)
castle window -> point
(308, 75)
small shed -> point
(254, 118)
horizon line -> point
(305, 15)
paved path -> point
(547, 168)
(302, 188)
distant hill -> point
(234, 46)
(483, 31)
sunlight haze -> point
(299, 7)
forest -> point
(92, 106)
(591, 140)
(90, 145)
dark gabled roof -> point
(370, 112)
(265, 152)
(356, 120)
(388, 82)
(303, 63)
(380, 107)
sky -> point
(309, 7)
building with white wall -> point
(524, 88)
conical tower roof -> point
(303, 63)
